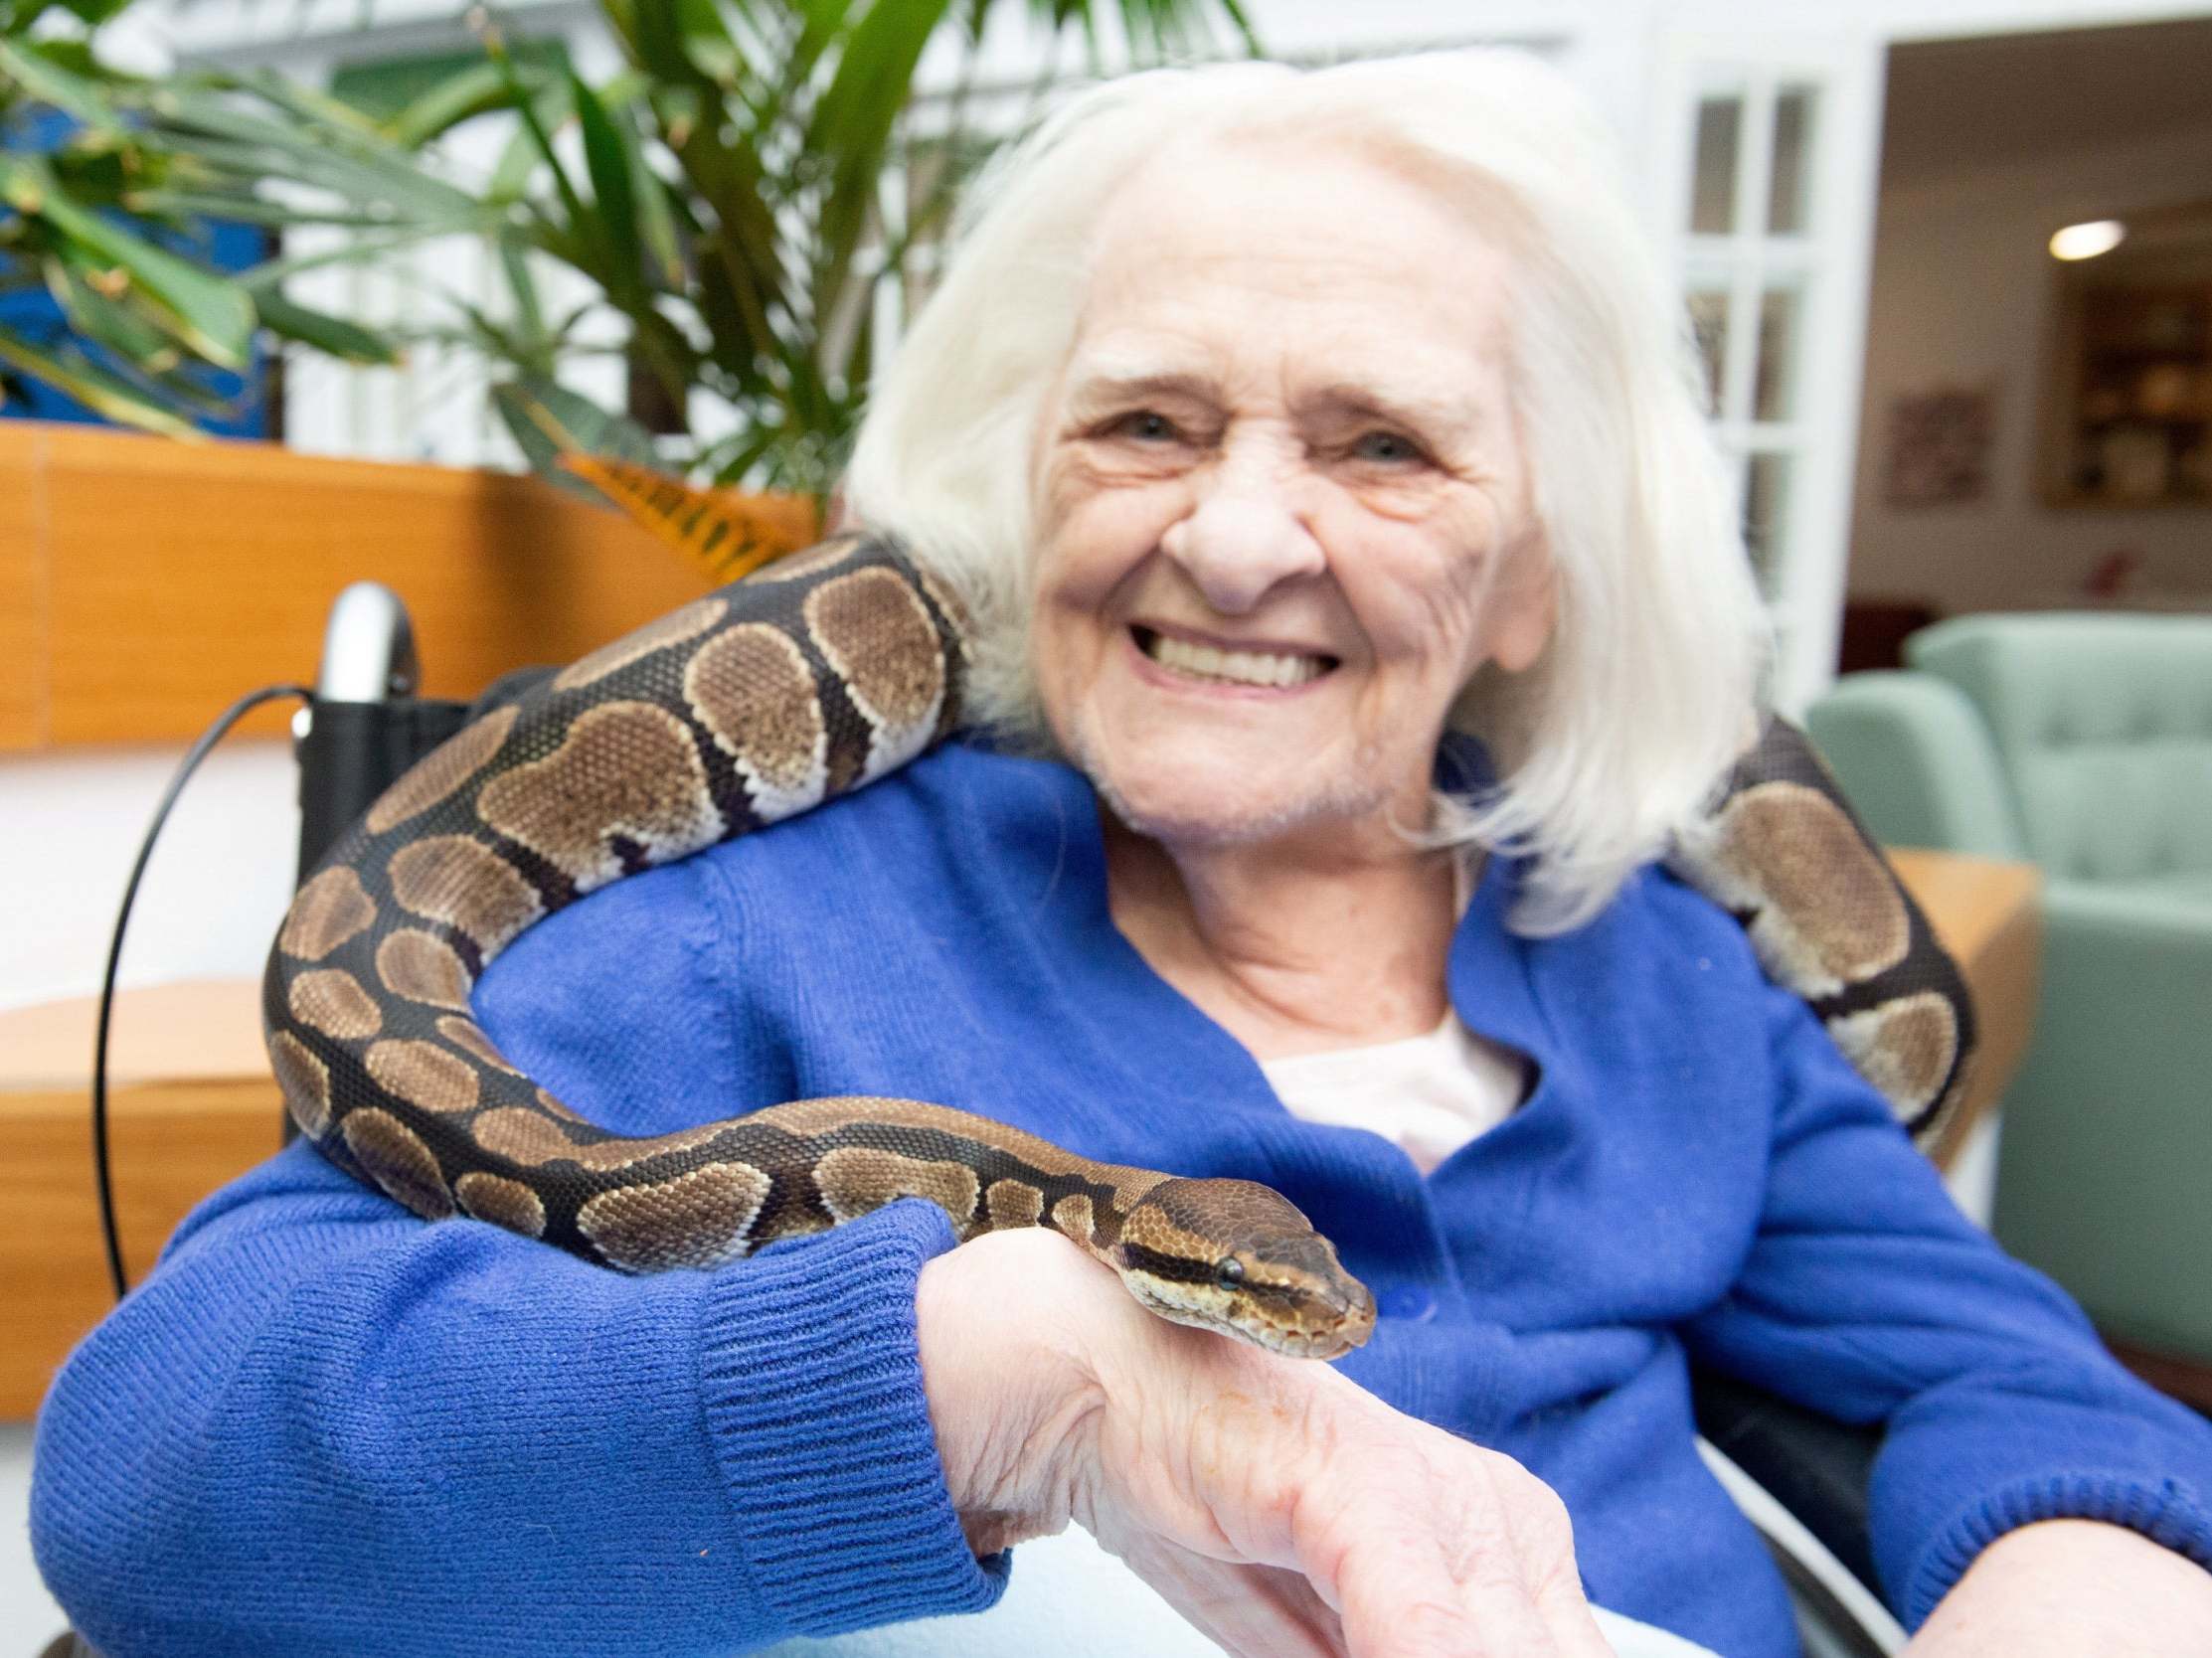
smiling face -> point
(1283, 514)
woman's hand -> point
(1278, 1506)
(2070, 1587)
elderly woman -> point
(1359, 618)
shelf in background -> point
(145, 584)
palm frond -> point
(728, 535)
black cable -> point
(193, 757)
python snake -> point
(813, 676)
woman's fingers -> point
(1432, 1546)
(1566, 1612)
(1397, 1541)
(1250, 1612)
(1297, 1596)
(1422, 1545)
(1276, 1504)
(1415, 1583)
(1545, 1545)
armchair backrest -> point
(2103, 728)
(1916, 759)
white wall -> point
(1962, 285)
(220, 875)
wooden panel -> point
(22, 598)
(192, 1106)
(189, 1031)
(181, 575)
(1988, 914)
(172, 1145)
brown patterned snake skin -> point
(814, 675)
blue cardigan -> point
(324, 1427)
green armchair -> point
(2085, 744)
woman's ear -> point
(1524, 606)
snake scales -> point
(813, 676)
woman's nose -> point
(1243, 537)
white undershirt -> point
(1428, 1094)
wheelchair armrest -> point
(1816, 1467)
(350, 752)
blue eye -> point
(1386, 447)
(1149, 426)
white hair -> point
(1611, 744)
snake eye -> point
(1228, 1271)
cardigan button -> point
(1407, 1301)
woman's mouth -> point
(1213, 664)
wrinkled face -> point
(1283, 514)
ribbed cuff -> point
(2167, 1512)
(813, 1389)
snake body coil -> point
(817, 673)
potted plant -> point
(102, 211)
(732, 199)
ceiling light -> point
(2086, 242)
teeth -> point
(1239, 667)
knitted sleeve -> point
(1868, 1296)
(324, 1426)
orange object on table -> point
(1988, 914)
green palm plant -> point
(105, 218)
(732, 199)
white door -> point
(1764, 160)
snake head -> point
(1236, 1257)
